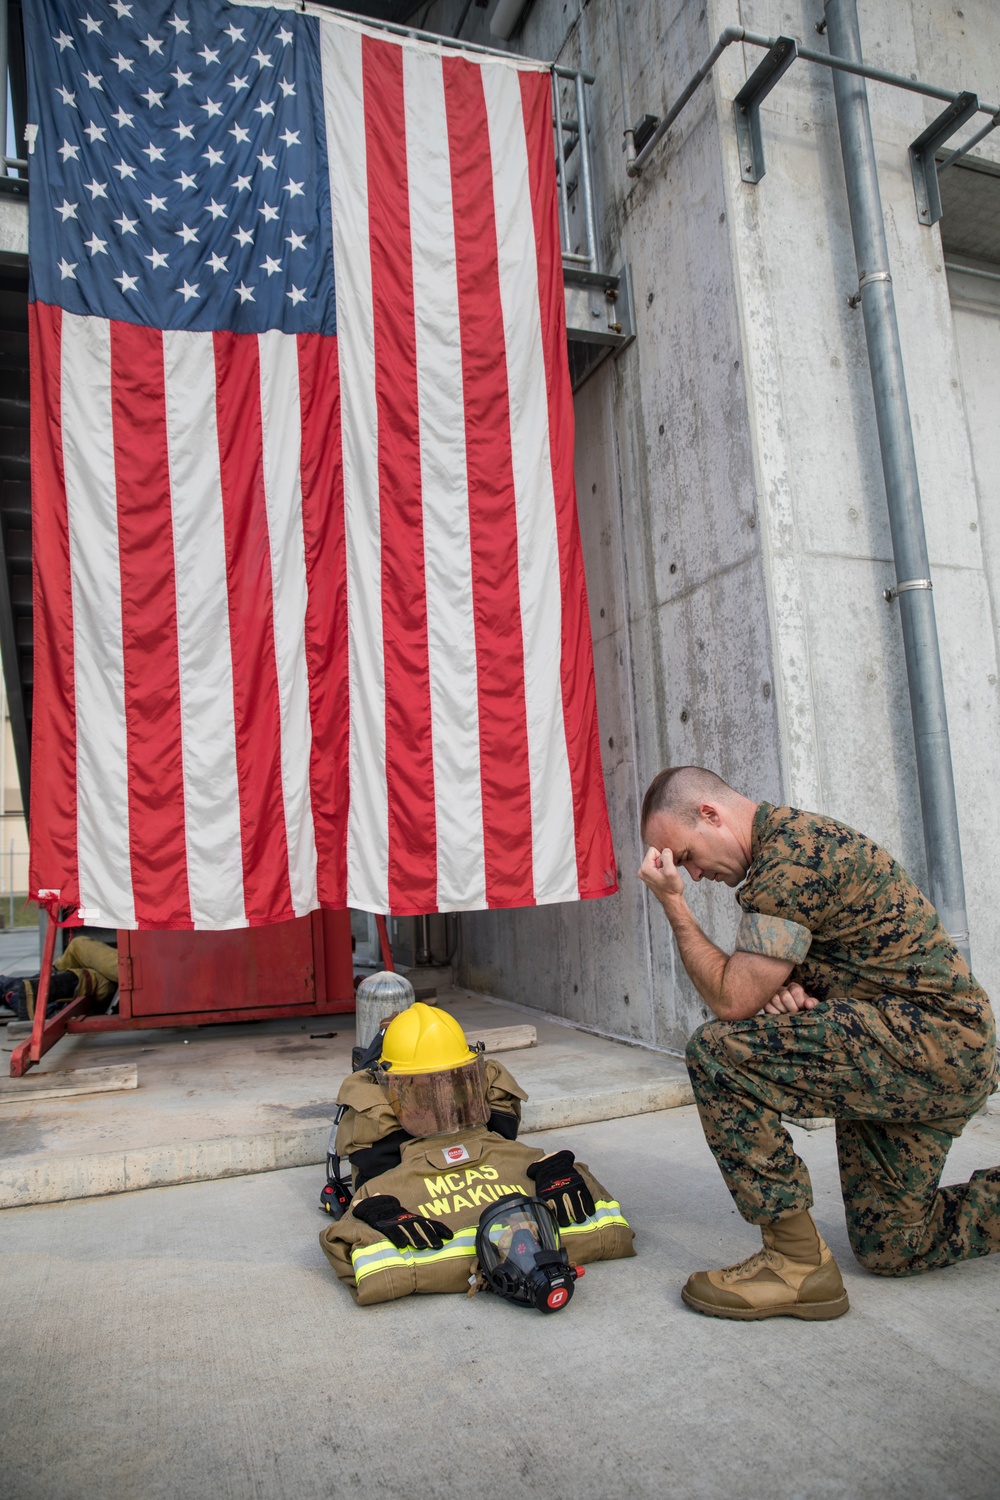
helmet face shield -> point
(439, 1103)
(520, 1256)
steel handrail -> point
(733, 34)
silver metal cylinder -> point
(378, 997)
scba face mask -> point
(520, 1256)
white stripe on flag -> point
(204, 649)
(368, 817)
(281, 420)
(99, 664)
(552, 819)
(451, 630)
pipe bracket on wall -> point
(905, 587)
(746, 105)
(923, 153)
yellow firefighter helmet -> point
(432, 1078)
(425, 1039)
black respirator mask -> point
(520, 1256)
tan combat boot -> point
(793, 1276)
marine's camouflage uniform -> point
(901, 1052)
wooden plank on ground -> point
(111, 1080)
(503, 1038)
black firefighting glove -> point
(558, 1183)
(406, 1230)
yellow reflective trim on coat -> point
(605, 1214)
(366, 1259)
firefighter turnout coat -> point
(453, 1178)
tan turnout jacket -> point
(453, 1178)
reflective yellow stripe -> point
(605, 1214)
(383, 1255)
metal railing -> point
(782, 51)
(572, 143)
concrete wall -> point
(847, 744)
(730, 484)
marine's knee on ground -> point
(881, 1249)
(956, 1223)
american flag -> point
(310, 615)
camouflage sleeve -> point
(775, 937)
(790, 889)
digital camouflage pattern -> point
(869, 932)
(901, 1051)
(895, 1124)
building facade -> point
(730, 482)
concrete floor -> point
(190, 1341)
(215, 1101)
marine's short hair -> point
(680, 791)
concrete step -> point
(221, 1101)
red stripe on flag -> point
(326, 610)
(409, 764)
(149, 629)
(503, 730)
(267, 891)
(595, 859)
(53, 711)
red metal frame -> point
(207, 978)
(44, 1035)
(383, 942)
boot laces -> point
(761, 1260)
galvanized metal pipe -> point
(953, 265)
(325, 7)
(726, 38)
(899, 466)
(583, 145)
(973, 140)
(860, 69)
(561, 161)
(627, 130)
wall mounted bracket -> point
(600, 318)
(923, 151)
(746, 105)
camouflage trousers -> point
(901, 1085)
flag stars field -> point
(196, 107)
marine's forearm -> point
(704, 962)
(734, 986)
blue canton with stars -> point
(178, 165)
